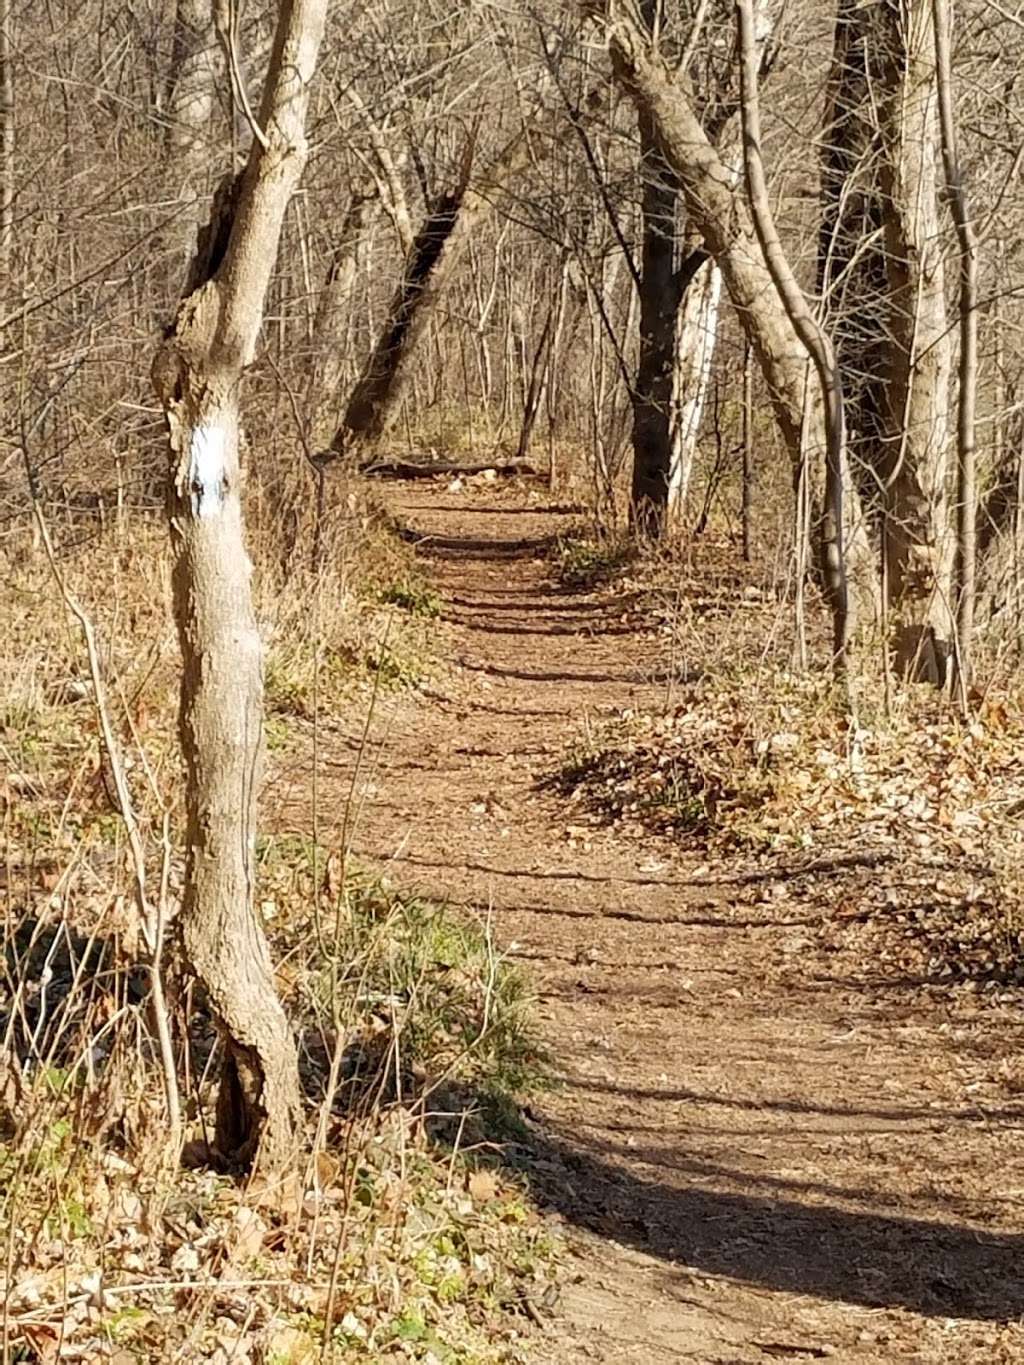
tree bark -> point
(678, 328)
(332, 317)
(7, 140)
(852, 274)
(662, 287)
(696, 338)
(880, 266)
(918, 547)
(197, 374)
(198, 73)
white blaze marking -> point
(206, 470)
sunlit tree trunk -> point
(967, 241)
(807, 327)
(852, 275)
(197, 373)
(918, 544)
(332, 317)
(7, 140)
(196, 83)
(696, 338)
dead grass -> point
(403, 1240)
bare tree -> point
(197, 75)
(917, 545)
(7, 137)
(808, 329)
(967, 498)
(881, 270)
(197, 373)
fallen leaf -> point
(483, 1186)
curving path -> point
(756, 1155)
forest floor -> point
(761, 1147)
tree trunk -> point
(880, 266)
(661, 291)
(966, 539)
(852, 275)
(717, 211)
(696, 338)
(197, 374)
(678, 327)
(812, 335)
(7, 140)
(332, 317)
(918, 546)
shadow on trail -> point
(826, 866)
(572, 630)
(938, 1268)
(631, 677)
(476, 508)
(477, 547)
(758, 1104)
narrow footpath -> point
(753, 1157)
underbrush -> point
(778, 764)
(587, 561)
(360, 619)
(405, 1238)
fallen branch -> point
(415, 469)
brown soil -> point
(759, 1151)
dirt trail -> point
(756, 1157)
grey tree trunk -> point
(852, 274)
(813, 336)
(332, 317)
(918, 544)
(197, 373)
(663, 285)
(696, 339)
(7, 140)
(880, 267)
(198, 76)
(678, 329)
(967, 497)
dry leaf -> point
(250, 1232)
(483, 1185)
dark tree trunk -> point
(660, 296)
(851, 260)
